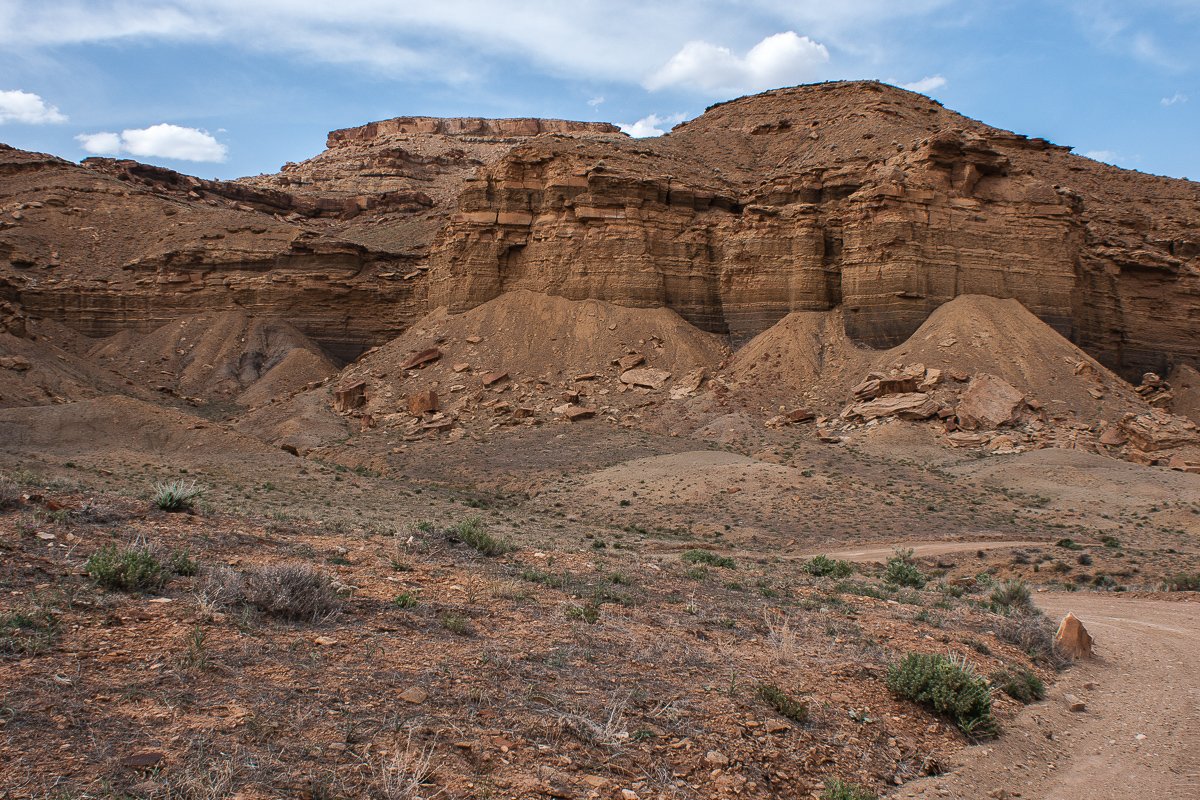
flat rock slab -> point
(649, 378)
(422, 358)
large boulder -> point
(912, 405)
(1072, 638)
(989, 402)
(1159, 430)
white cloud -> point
(100, 144)
(1107, 156)
(18, 106)
(652, 125)
(595, 101)
(925, 85)
(1178, 98)
(780, 60)
(157, 141)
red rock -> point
(575, 413)
(422, 358)
(1159, 430)
(1112, 437)
(964, 439)
(630, 361)
(570, 397)
(439, 425)
(17, 363)
(913, 405)
(1072, 639)
(421, 403)
(368, 422)
(493, 378)
(989, 402)
(350, 396)
(522, 412)
(649, 378)
(801, 414)
(587, 376)
(1138, 457)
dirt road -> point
(1140, 734)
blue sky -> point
(225, 88)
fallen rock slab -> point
(649, 378)
(1158, 430)
(350, 396)
(912, 405)
(989, 402)
(576, 413)
(422, 358)
(418, 404)
(964, 439)
(491, 378)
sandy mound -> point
(110, 425)
(974, 333)
(36, 372)
(542, 342)
(805, 357)
(305, 421)
(219, 356)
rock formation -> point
(857, 196)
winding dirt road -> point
(1138, 738)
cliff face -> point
(853, 195)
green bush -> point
(27, 632)
(1013, 597)
(783, 702)
(822, 565)
(837, 790)
(176, 495)
(130, 569)
(181, 563)
(474, 532)
(711, 559)
(1069, 544)
(1021, 685)
(406, 600)
(902, 573)
(947, 686)
(1182, 582)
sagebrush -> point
(948, 686)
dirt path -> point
(921, 549)
(1140, 735)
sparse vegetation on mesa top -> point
(176, 495)
(474, 532)
(948, 686)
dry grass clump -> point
(1034, 634)
(293, 591)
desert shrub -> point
(181, 563)
(474, 532)
(127, 569)
(1033, 633)
(902, 573)
(1182, 582)
(289, 591)
(10, 493)
(838, 790)
(406, 600)
(27, 632)
(176, 495)
(822, 565)
(948, 686)
(1013, 597)
(456, 624)
(711, 559)
(1021, 685)
(783, 702)
(1069, 544)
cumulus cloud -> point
(595, 101)
(18, 106)
(925, 85)
(1107, 156)
(780, 60)
(1178, 98)
(652, 125)
(157, 141)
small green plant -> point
(176, 495)
(1069, 544)
(547, 578)
(822, 565)
(838, 790)
(27, 632)
(474, 532)
(706, 557)
(196, 657)
(1013, 597)
(181, 563)
(1021, 685)
(589, 613)
(456, 624)
(948, 686)
(129, 569)
(783, 702)
(902, 573)
(406, 600)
